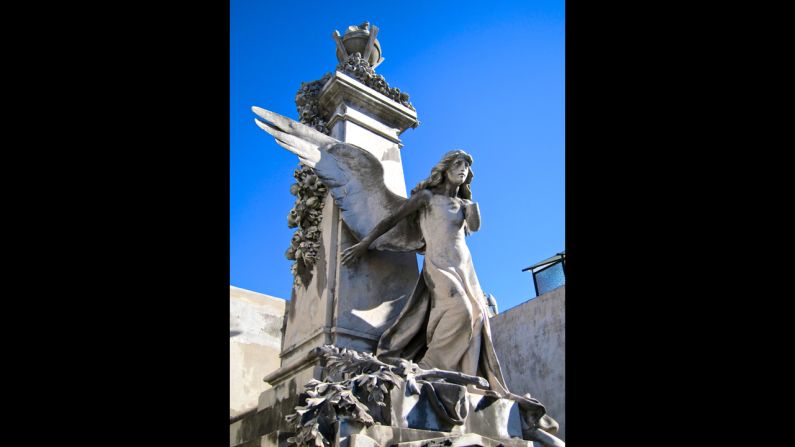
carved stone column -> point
(340, 305)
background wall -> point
(255, 340)
(530, 340)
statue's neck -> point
(447, 189)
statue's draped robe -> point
(445, 323)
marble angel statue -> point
(444, 324)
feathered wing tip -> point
(297, 138)
(354, 177)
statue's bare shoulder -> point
(423, 196)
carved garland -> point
(357, 386)
(353, 380)
(360, 69)
(306, 214)
(307, 103)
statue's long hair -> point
(437, 176)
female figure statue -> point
(456, 336)
(444, 325)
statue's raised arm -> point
(354, 177)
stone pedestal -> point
(487, 416)
(408, 420)
(347, 306)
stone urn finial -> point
(359, 39)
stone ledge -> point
(356, 435)
(342, 87)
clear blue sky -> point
(486, 77)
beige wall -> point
(255, 338)
(530, 341)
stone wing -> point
(355, 179)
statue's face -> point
(457, 172)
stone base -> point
(273, 439)
(429, 409)
(274, 405)
(488, 416)
(356, 435)
(409, 420)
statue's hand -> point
(353, 253)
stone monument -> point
(360, 315)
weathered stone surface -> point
(273, 439)
(358, 390)
(530, 343)
(255, 322)
(390, 113)
(358, 68)
(359, 440)
(306, 215)
(309, 111)
(361, 116)
(245, 434)
(489, 416)
(274, 404)
(343, 305)
(359, 39)
(466, 440)
(385, 436)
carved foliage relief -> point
(310, 194)
(357, 67)
(306, 214)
